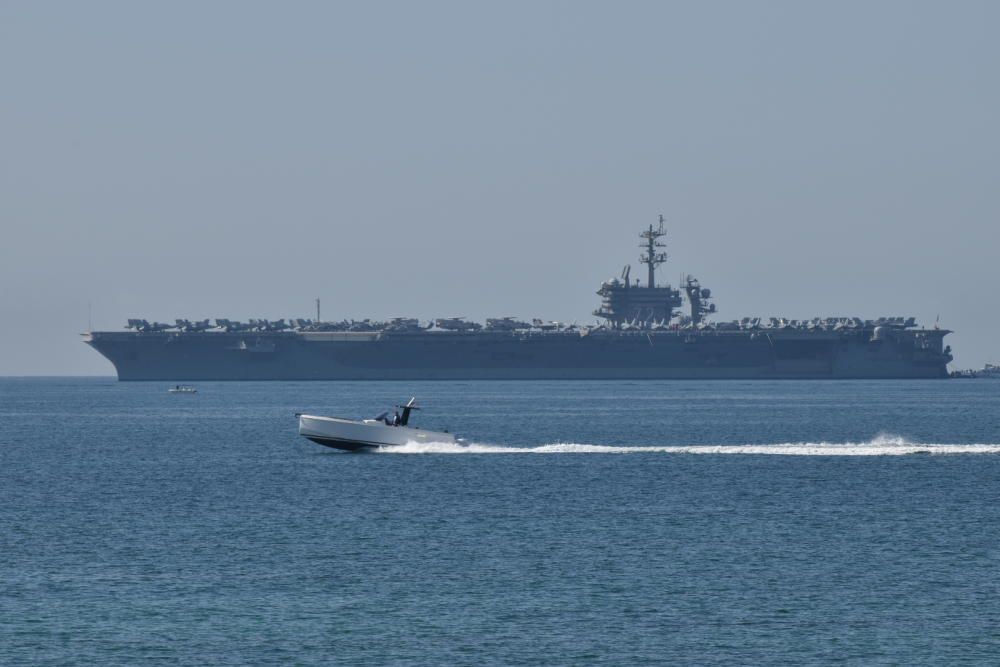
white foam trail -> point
(879, 446)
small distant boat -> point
(382, 431)
(182, 389)
(990, 371)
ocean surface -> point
(584, 523)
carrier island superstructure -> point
(646, 333)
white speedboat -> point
(182, 389)
(382, 431)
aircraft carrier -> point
(651, 331)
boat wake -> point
(883, 445)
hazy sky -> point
(213, 159)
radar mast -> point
(652, 257)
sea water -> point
(602, 523)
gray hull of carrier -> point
(602, 355)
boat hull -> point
(350, 435)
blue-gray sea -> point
(586, 523)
